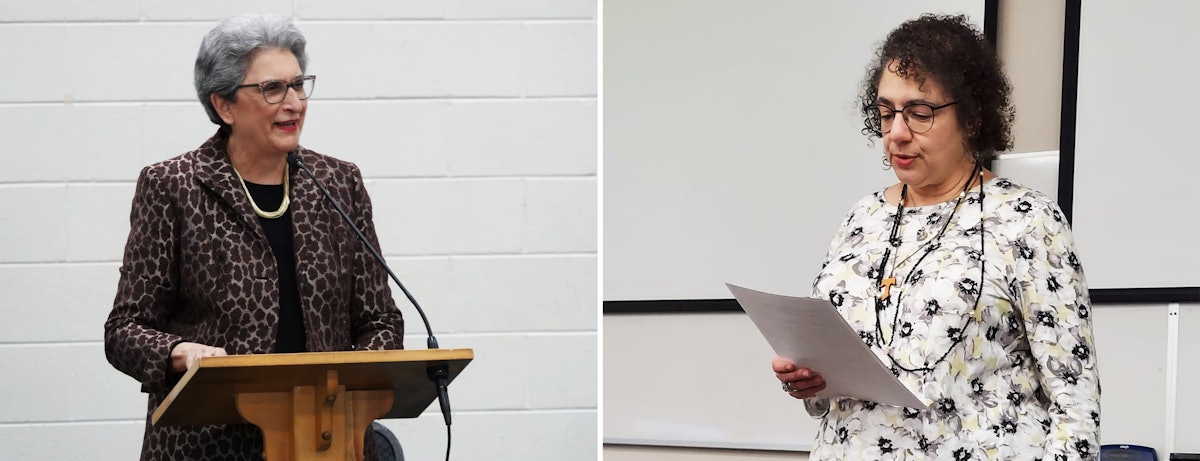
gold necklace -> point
(258, 211)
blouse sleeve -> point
(146, 289)
(818, 407)
(376, 321)
(1053, 299)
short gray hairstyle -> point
(226, 51)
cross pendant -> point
(886, 286)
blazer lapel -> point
(214, 172)
(307, 203)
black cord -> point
(441, 374)
(894, 242)
(978, 287)
(933, 244)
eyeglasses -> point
(274, 91)
(917, 116)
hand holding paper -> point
(798, 382)
(812, 334)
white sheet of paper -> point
(812, 334)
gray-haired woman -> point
(232, 252)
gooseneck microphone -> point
(439, 373)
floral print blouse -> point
(1011, 378)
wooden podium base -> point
(318, 422)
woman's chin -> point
(907, 176)
(287, 145)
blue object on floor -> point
(1122, 452)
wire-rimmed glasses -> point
(917, 116)
(274, 91)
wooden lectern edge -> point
(187, 376)
(331, 358)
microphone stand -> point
(438, 373)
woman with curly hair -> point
(965, 284)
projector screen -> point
(732, 144)
(1136, 204)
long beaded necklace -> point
(885, 284)
(283, 206)
(894, 240)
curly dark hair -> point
(951, 52)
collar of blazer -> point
(215, 172)
(312, 219)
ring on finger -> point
(787, 387)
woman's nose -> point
(899, 131)
(291, 99)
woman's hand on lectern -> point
(185, 354)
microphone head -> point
(294, 160)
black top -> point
(290, 335)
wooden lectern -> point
(313, 405)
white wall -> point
(635, 453)
(474, 123)
(1029, 41)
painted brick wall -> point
(473, 121)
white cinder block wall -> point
(474, 122)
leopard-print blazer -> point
(198, 268)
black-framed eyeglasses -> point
(274, 91)
(917, 116)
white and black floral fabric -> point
(1012, 379)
